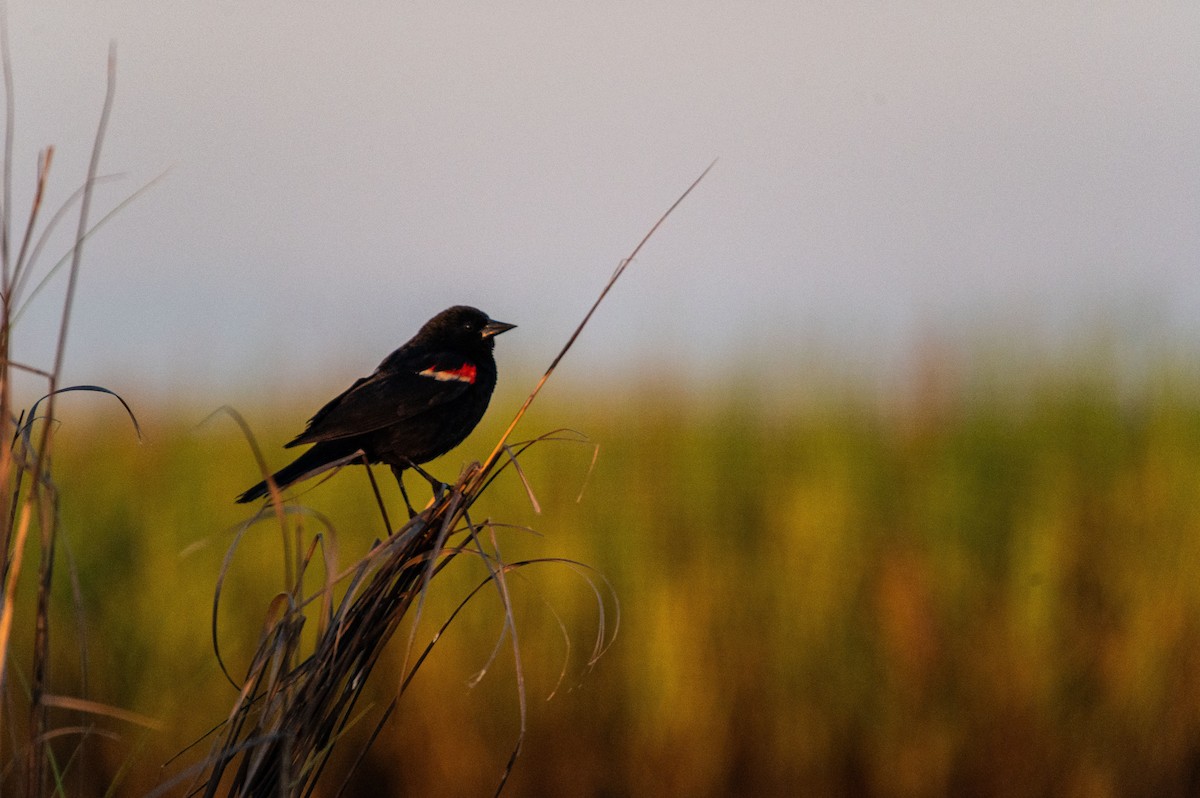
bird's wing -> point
(388, 397)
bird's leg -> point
(436, 484)
(398, 472)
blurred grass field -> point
(979, 584)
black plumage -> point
(421, 402)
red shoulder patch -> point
(464, 373)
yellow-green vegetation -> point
(989, 587)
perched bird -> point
(421, 402)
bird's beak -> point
(494, 327)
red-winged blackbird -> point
(421, 402)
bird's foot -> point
(439, 489)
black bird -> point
(421, 402)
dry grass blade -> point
(282, 730)
(25, 267)
(11, 576)
(96, 708)
(45, 158)
(85, 207)
(25, 429)
(289, 575)
(490, 462)
(516, 464)
(9, 115)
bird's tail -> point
(320, 458)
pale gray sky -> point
(341, 170)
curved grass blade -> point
(24, 429)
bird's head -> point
(463, 326)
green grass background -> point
(976, 581)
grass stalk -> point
(29, 498)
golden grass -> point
(832, 600)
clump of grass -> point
(292, 708)
(29, 496)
